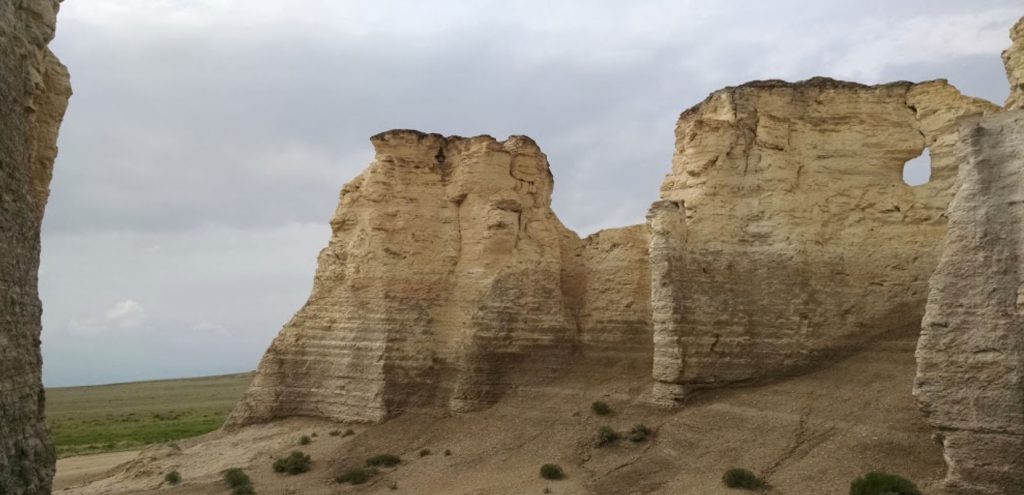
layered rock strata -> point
(786, 235)
(970, 380)
(34, 90)
(447, 276)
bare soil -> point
(812, 433)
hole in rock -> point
(918, 171)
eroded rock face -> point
(1013, 58)
(970, 379)
(447, 276)
(786, 235)
(34, 91)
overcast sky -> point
(206, 142)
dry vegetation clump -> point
(296, 463)
(551, 472)
(742, 479)
(883, 484)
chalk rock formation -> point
(1013, 58)
(447, 277)
(970, 381)
(34, 90)
(786, 235)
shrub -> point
(606, 436)
(335, 433)
(742, 478)
(639, 433)
(173, 477)
(349, 432)
(304, 440)
(447, 452)
(883, 484)
(551, 472)
(296, 463)
(385, 460)
(600, 408)
(424, 452)
(356, 476)
(235, 477)
(243, 490)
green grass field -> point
(124, 416)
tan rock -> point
(1013, 59)
(970, 378)
(447, 276)
(786, 235)
(34, 91)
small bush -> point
(447, 452)
(424, 452)
(385, 460)
(313, 434)
(356, 476)
(349, 432)
(551, 472)
(304, 440)
(173, 477)
(883, 484)
(296, 463)
(600, 408)
(606, 435)
(243, 490)
(743, 479)
(235, 477)
(639, 433)
(335, 433)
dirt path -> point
(78, 469)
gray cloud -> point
(206, 143)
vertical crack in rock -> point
(34, 90)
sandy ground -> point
(812, 433)
(76, 470)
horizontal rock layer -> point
(34, 91)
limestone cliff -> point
(970, 380)
(34, 90)
(447, 277)
(786, 235)
(1013, 59)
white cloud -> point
(209, 327)
(126, 314)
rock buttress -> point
(970, 378)
(447, 278)
(1013, 59)
(786, 235)
(34, 90)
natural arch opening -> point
(918, 171)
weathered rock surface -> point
(786, 235)
(447, 276)
(970, 379)
(1013, 58)
(34, 90)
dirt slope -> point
(807, 434)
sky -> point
(206, 143)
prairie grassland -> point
(125, 416)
